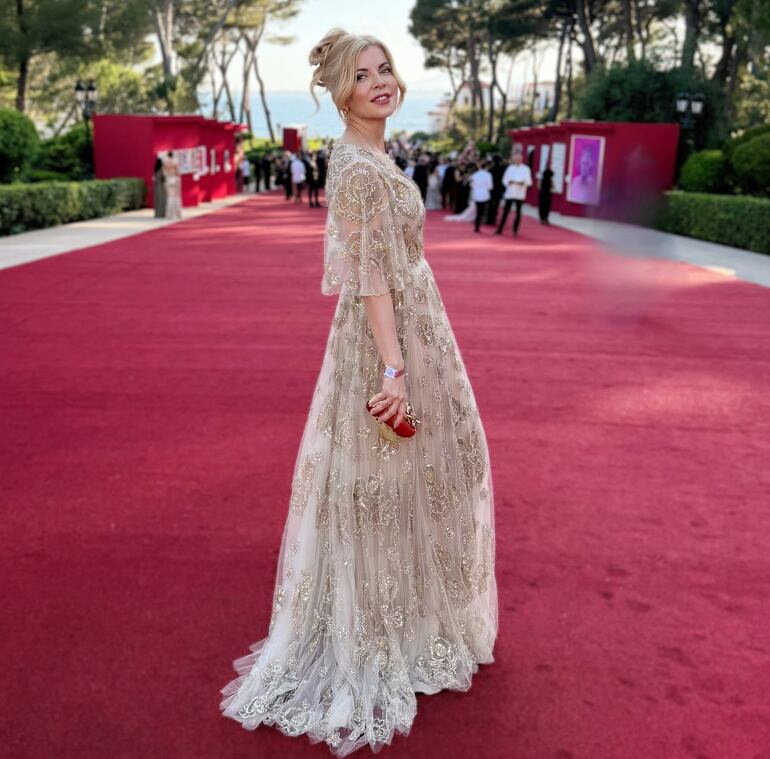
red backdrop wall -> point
(639, 163)
(127, 146)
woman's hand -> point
(389, 401)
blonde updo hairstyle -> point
(335, 57)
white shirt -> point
(520, 173)
(481, 186)
(297, 171)
(246, 167)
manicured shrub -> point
(736, 220)
(751, 163)
(18, 144)
(46, 204)
(60, 155)
(749, 134)
(705, 171)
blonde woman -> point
(173, 184)
(385, 583)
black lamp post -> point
(689, 107)
(85, 95)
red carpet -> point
(153, 394)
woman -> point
(463, 196)
(158, 189)
(433, 198)
(544, 199)
(173, 185)
(385, 585)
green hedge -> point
(736, 220)
(46, 204)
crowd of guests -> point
(299, 173)
(472, 188)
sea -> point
(293, 108)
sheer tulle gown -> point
(385, 583)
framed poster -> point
(558, 162)
(586, 156)
(186, 158)
(201, 167)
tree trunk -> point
(641, 32)
(21, 85)
(534, 84)
(23, 61)
(223, 66)
(501, 128)
(474, 84)
(492, 55)
(554, 112)
(479, 88)
(215, 93)
(570, 91)
(589, 49)
(264, 100)
(455, 90)
(245, 104)
(727, 33)
(738, 60)
(628, 30)
(724, 66)
(70, 113)
(163, 21)
(693, 21)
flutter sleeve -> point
(363, 244)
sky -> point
(287, 68)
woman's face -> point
(375, 94)
(586, 163)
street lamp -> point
(690, 108)
(85, 95)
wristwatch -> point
(393, 373)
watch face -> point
(390, 372)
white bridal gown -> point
(385, 583)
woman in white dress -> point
(385, 583)
(173, 183)
(469, 214)
(433, 196)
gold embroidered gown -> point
(385, 583)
